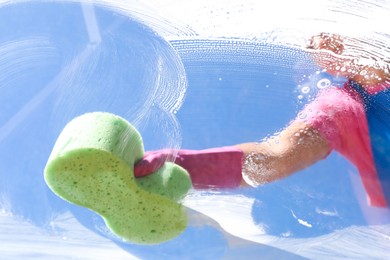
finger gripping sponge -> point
(92, 164)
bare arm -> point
(296, 148)
(299, 146)
(370, 76)
(331, 58)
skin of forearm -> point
(295, 148)
(370, 76)
(362, 74)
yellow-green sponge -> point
(91, 165)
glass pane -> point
(191, 75)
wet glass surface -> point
(210, 81)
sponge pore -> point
(92, 164)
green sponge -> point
(91, 165)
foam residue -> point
(20, 59)
(67, 239)
(110, 63)
(301, 221)
(332, 213)
(279, 21)
(232, 213)
(227, 210)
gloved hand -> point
(210, 168)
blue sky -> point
(59, 60)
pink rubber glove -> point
(210, 168)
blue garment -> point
(377, 108)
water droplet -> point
(305, 89)
(302, 115)
(323, 83)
